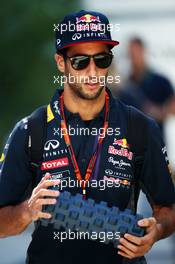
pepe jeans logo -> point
(119, 163)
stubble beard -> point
(78, 91)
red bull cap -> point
(81, 27)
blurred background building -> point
(27, 70)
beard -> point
(79, 91)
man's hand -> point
(132, 246)
(38, 197)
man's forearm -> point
(165, 217)
(14, 219)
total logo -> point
(54, 164)
(120, 152)
(88, 18)
(51, 145)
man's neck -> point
(87, 109)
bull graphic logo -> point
(87, 19)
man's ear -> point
(60, 62)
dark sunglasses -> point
(102, 60)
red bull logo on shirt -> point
(123, 152)
(121, 142)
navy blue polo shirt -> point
(115, 163)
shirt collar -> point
(52, 107)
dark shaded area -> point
(27, 48)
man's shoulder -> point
(139, 121)
(134, 113)
(21, 129)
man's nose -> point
(92, 68)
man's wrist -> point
(159, 234)
(26, 215)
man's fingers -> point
(46, 177)
(45, 183)
(46, 192)
(139, 241)
(48, 183)
(128, 245)
(42, 202)
(132, 246)
(136, 240)
(41, 193)
(123, 254)
(147, 222)
(44, 215)
(126, 251)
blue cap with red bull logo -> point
(82, 27)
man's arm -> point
(165, 217)
(161, 225)
(14, 219)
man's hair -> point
(138, 41)
(63, 53)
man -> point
(86, 55)
(145, 89)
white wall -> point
(153, 20)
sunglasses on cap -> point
(101, 60)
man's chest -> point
(112, 175)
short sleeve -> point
(156, 180)
(15, 173)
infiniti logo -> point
(108, 171)
(51, 144)
(76, 36)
